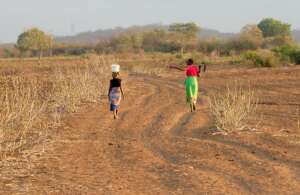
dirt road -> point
(158, 147)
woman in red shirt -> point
(191, 83)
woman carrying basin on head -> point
(115, 92)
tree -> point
(2, 52)
(122, 43)
(251, 37)
(153, 40)
(273, 42)
(272, 28)
(184, 34)
(137, 39)
(158, 40)
(35, 40)
(210, 45)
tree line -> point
(269, 34)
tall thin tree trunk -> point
(51, 52)
(181, 51)
(41, 54)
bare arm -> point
(199, 70)
(201, 67)
(122, 91)
(204, 67)
(176, 67)
(109, 89)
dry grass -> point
(20, 110)
(298, 118)
(36, 95)
(30, 105)
(231, 108)
(145, 69)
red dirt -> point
(158, 147)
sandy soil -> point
(159, 147)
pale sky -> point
(67, 17)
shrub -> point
(30, 106)
(21, 108)
(261, 58)
(284, 52)
(288, 53)
(232, 108)
(295, 56)
(209, 46)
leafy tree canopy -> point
(34, 39)
(272, 28)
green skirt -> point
(191, 87)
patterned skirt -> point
(114, 98)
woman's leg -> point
(114, 109)
(192, 92)
(194, 104)
(192, 107)
(115, 114)
(195, 93)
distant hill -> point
(210, 33)
(7, 45)
(93, 37)
(90, 37)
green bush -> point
(261, 58)
(295, 56)
(288, 54)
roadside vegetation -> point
(266, 44)
(35, 102)
(40, 83)
(232, 108)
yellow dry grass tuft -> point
(32, 104)
(231, 108)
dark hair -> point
(190, 61)
(115, 74)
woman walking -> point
(115, 92)
(191, 82)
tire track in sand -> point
(157, 147)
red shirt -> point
(192, 70)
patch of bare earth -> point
(158, 147)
